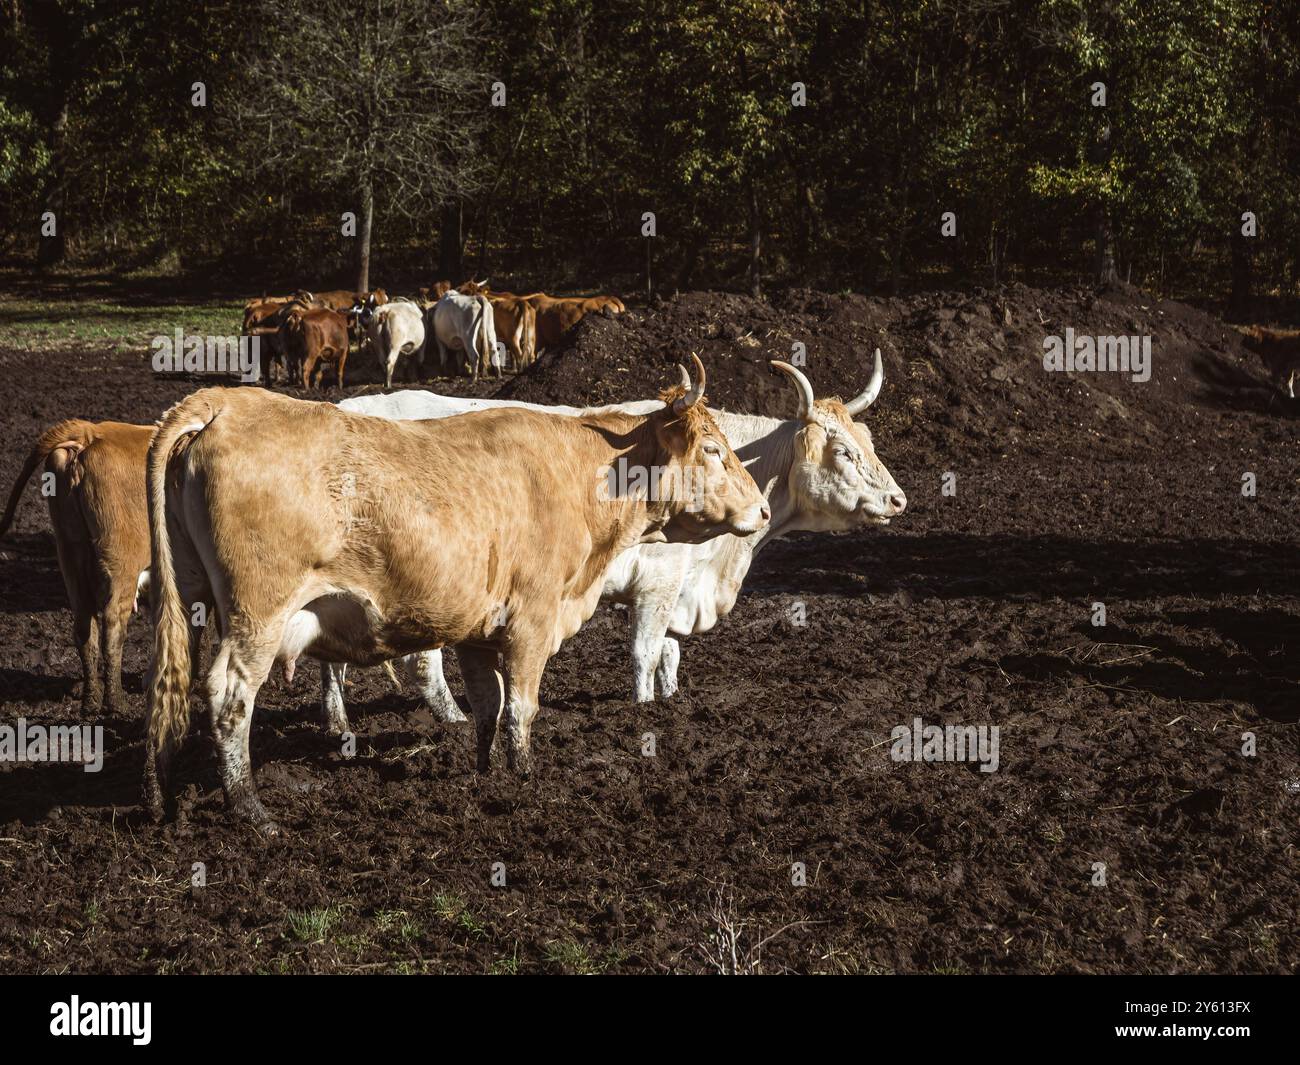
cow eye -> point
(711, 448)
(841, 452)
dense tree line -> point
(822, 141)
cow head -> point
(365, 310)
(835, 480)
(705, 490)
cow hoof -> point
(450, 714)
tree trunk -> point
(694, 247)
(1103, 269)
(755, 242)
(363, 235)
(451, 266)
(52, 249)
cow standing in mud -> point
(397, 537)
(97, 511)
(820, 473)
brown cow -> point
(262, 319)
(97, 510)
(312, 338)
(402, 536)
(514, 319)
(516, 325)
(1279, 351)
(556, 315)
(436, 292)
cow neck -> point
(626, 524)
(766, 447)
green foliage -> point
(979, 107)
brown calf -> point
(314, 338)
(101, 531)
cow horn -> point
(869, 394)
(801, 383)
(693, 392)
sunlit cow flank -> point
(97, 511)
(314, 531)
(820, 472)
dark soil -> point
(1120, 744)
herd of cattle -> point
(306, 332)
(390, 526)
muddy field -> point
(1119, 744)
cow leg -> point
(343, 361)
(86, 633)
(666, 671)
(334, 715)
(485, 689)
(78, 575)
(1290, 384)
(117, 613)
(308, 365)
(425, 671)
(239, 669)
(389, 366)
(649, 622)
(525, 661)
(415, 367)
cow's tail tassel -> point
(169, 670)
(392, 676)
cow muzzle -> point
(879, 508)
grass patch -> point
(31, 325)
(570, 956)
(314, 926)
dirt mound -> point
(963, 370)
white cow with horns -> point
(819, 471)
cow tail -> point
(73, 433)
(168, 715)
(483, 330)
(530, 334)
